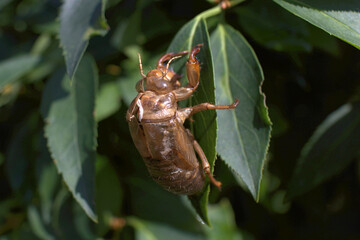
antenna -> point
(168, 64)
(141, 69)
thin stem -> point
(216, 10)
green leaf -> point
(79, 20)
(109, 193)
(3, 3)
(272, 196)
(204, 125)
(47, 180)
(273, 27)
(146, 230)
(41, 44)
(51, 58)
(277, 29)
(68, 111)
(224, 225)
(82, 223)
(68, 221)
(37, 225)
(158, 206)
(338, 18)
(107, 101)
(243, 133)
(60, 225)
(334, 144)
(14, 68)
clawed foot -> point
(234, 104)
(212, 179)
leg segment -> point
(204, 161)
(184, 113)
(193, 75)
(193, 67)
(169, 74)
(209, 106)
(168, 56)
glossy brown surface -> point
(156, 126)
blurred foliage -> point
(53, 181)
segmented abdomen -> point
(174, 179)
(169, 155)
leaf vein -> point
(227, 79)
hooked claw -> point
(194, 51)
(235, 103)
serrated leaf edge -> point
(267, 120)
(86, 37)
(304, 5)
(91, 214)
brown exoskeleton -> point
(156, 126)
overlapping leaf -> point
(3, 3)
(276, 28)
(146, 230)
(339, 18)
(108, 194)
(47, 179)
(243, 133)
(37, 225)
(14, 68)
(204, 126)
(224, 225)
(79, 20)
(158, 206)
(331, 148)
(68, 110)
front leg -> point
(193, 68)
(193, 75)
(168, 56)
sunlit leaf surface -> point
(79, 20)
(338, 18)
(243, 133)
(204, 125)
(68, 110)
